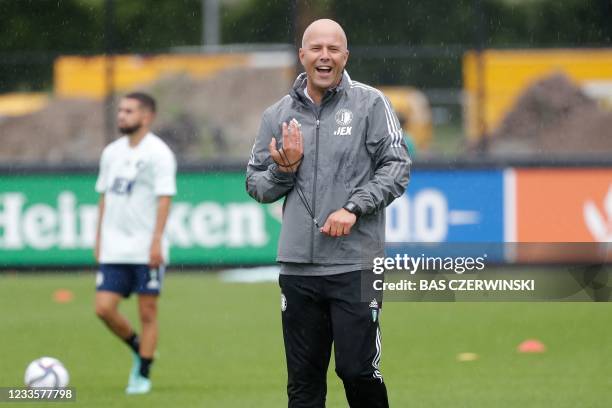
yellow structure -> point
(78, 77)
(507, 73)
(414, 106)
(16, 104)
(85, 77)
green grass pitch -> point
(221, 346)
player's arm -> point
(99, 228)
(100, 187)
(156, 257)
(270, 172)
(386, 146)
(165, 188)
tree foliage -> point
(33, 31)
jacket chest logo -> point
(343, 117)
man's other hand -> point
(339, 223)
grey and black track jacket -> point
(353, 151)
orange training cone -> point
(63, 296)
(531, 346)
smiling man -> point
(333, 149)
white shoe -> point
(135, 371)
(140, 385)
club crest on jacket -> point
(344, 117)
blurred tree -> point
(549, 23)
(438, 23)
(257, 21)
(43, 25)
(411, 24)
(36, 27)
(33, 31)
(154, 25)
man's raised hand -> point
(289, 157)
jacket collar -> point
(297, 91)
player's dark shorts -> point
(126, 279)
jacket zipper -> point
(314, 190)
(317, 112)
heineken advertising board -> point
(51, 220)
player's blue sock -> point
(134, 342)
(145, 366)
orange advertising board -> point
(563, 205)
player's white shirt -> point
(131, 179)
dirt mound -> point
(218, 117)
(66, 130)
(553, 116)
(200, 119)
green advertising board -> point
(50, 219)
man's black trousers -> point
(319, 310)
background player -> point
(136, 182)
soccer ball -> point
(46, 372)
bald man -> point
(333, 150)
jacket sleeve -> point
(386, 146)
(264, 181)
